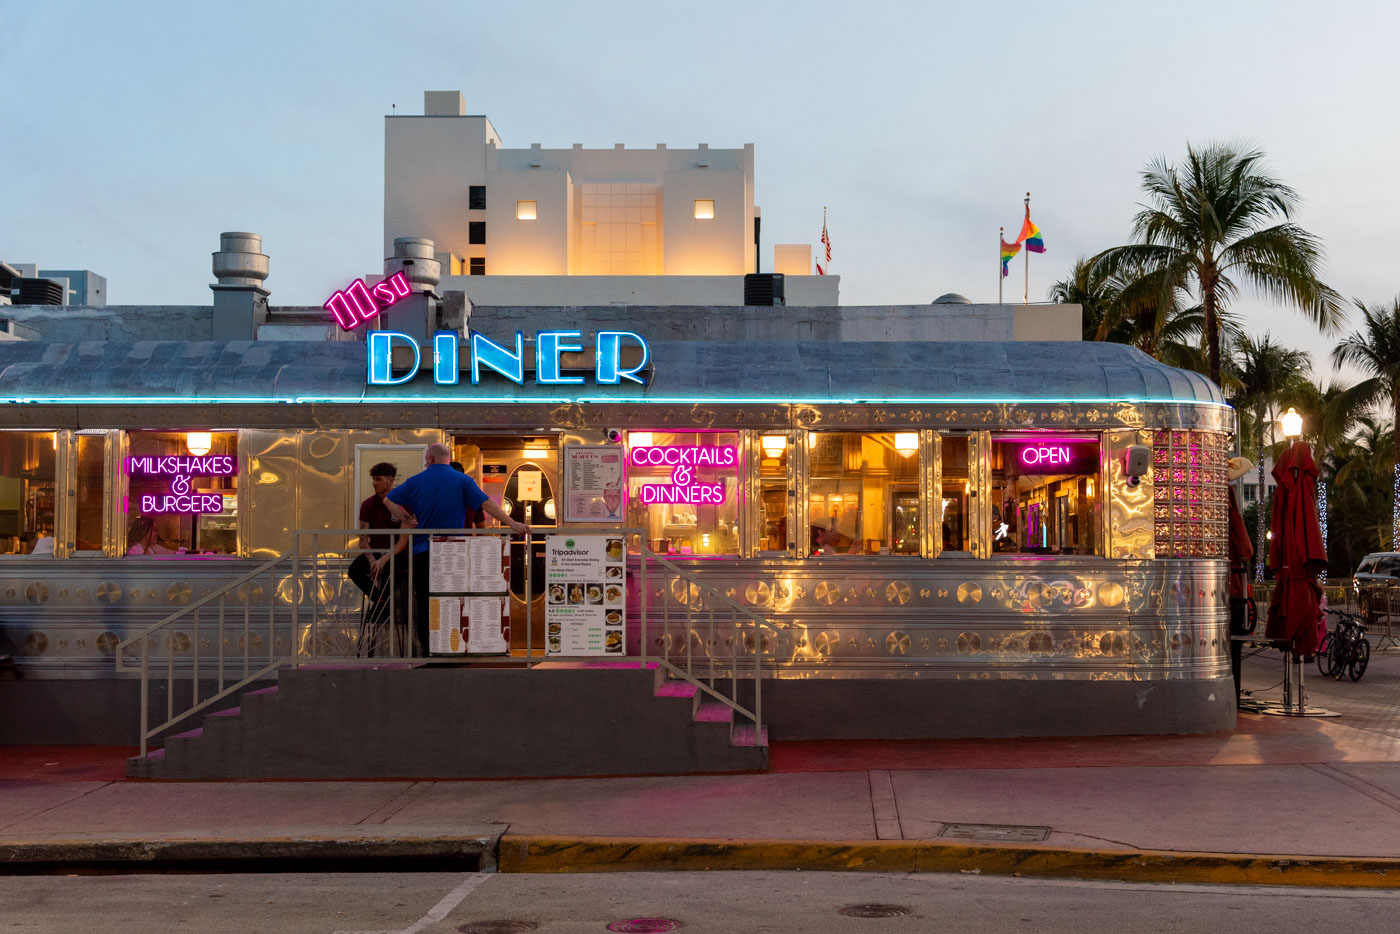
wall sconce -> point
(199, 443)
(774, 445)
(526, 210)
(1292, 423)
(704, 209)
(639, 439)
(537, 453)
(906, 443)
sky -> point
(140, 131)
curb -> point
(201, 853)
(558, 854)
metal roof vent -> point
(240, 260)
(413, 256)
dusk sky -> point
(138, 132)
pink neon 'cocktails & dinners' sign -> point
(684, 460)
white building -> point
(577, 226)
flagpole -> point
(1026, 295)
(1000, 277)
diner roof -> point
(234, 372)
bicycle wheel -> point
(1324, 655)
(1360, 659)
(1341, 656)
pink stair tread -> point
(712, 713)
(196, 733)
(271, 690)
(231, 712)
(676, 689)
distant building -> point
(85, 287)
(577, 226)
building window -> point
(476, 197)
(180, 502)
(1044, 495)
(476, 232)
(956, 531)
(863, 494)
(773, 493)
(28, 461)
(704, 209)
(477, 266)
(619, 229)
(90, 456)
(683, 488)
(525, 210)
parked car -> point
(1373, 574)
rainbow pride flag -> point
(1030, 234)
(1008, 251)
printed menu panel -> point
(469, 564)
(469, 625)
(585, 595)
(593, 483)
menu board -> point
(593, 483)
(468, 602)
(469, 564)
(466, 624)
(585, 595)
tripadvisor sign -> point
(485, 354)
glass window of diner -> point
(863, 493)
(682, 488)
(28, 462)
(1045, 495)
(957, 488)
(182, 493)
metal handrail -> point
(696, 590)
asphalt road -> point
(427, 903)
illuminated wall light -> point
(774, 445)
(526, 210)
(704, 209)
(536, 453)
(639, 439)
(197, 443)
(906, 443)
(549, 509)
(1089, 487)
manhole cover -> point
(644, 926)
(498, 927)
(1015, 832)
(873, 911)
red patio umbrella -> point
(1296, 554)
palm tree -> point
(1219, 222)
(1375, 350)
(1266, 371)
(1356, 468)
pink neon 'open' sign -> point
(357, 302)
(1055, 457)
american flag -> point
(826, 242)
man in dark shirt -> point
(438, 498)
(366, 573)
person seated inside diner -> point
(826, 540)
(43, 544)
(141, 539)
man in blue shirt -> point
(437, 498)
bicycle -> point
(1345, 649)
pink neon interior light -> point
(357, 302)
(683, 461)
(182, 498)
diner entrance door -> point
(521, 473)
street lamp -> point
(1292, 424)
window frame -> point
(476, 197)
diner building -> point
(903, 521)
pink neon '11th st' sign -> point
(357, 302)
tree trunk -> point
(1212, 326)
(1395, 468)
(1261, 522)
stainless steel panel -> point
(1129, 508)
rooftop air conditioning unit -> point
(763, 288)
(36, 292)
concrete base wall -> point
(453, 723)
(944, 709)
(86, 712)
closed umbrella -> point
(1296, 555)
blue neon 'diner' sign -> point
(486, 354)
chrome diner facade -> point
(943, 533)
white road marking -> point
(441, 910)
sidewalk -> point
(1277, 800)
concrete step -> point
(744, 734)
(712, 712)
